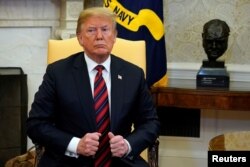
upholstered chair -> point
(132, 51)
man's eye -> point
(105, 30)
(90, 30)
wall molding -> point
(70, 10)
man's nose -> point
(99, 33)
(214, 45)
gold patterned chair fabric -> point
(233, 141)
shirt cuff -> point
(72, 147)
(129, 148)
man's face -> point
(97, 36)
(214, 41)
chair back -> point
(131, 51)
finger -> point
(118, 152)
(111, 135)
(95, 135)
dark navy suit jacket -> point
(63, 108)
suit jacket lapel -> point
(116, 92)
(83, 87)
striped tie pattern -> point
(101, 104)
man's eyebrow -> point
(92, 26)
(105, 26)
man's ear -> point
(79, 38)
(115, 36)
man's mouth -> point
(100, 46)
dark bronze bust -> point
(215, 38)
(213, 72)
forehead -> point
(215, 32)
(98, 21)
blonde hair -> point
(94, 11)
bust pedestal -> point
(213, 74)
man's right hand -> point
(88, 144)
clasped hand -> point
(89, 143)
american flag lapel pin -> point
(120, 77)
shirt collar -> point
(92, 64)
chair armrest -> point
(153, 153)
(39, 153)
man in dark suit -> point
(63, 115)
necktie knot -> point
(99, 68)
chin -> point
(103, 54)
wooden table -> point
(183, 93)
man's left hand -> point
(118, 145)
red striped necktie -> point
(101, 102)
